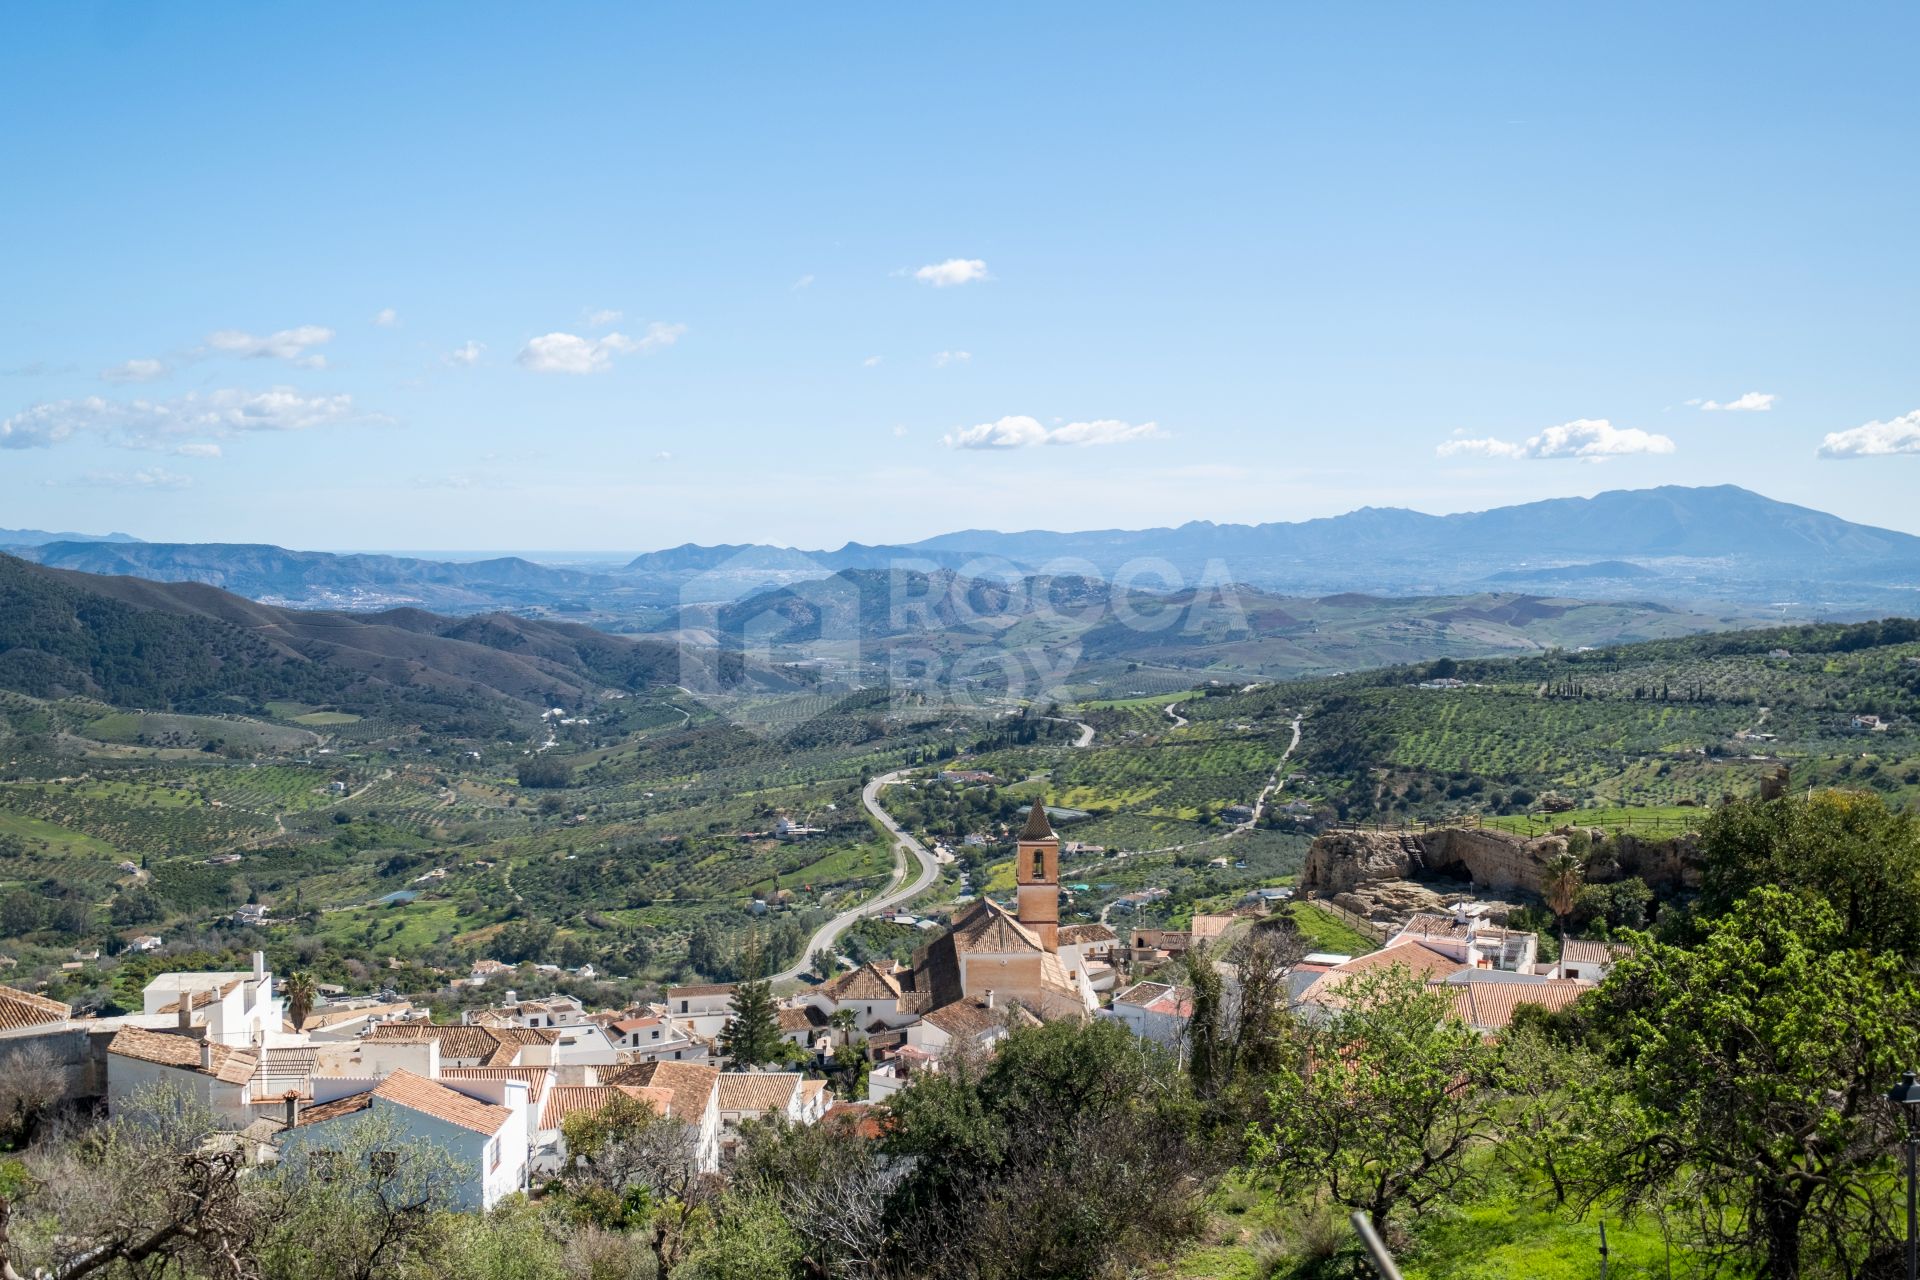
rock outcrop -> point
(1343, 862)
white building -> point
(482, 1125)
(234, 1009)
(703, 1010)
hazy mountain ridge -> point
(136, 642)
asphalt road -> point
(827, 936)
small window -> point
(493, 1154)
(1039, 864)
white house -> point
(1471, 939)
(481, 1125)
(695, 1094)
(1586, 960)
(218, 1076)
(654, 1038)
(873, 994)
(1156, 1011)
(235, 1009)
(550, 1151)
(703, 1010)
(759, 1095)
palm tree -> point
(1560, 885)
(298, 990)
(844, 1021)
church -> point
(992, 956)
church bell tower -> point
(1037, 871)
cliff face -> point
(1341, 861)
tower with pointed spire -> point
(1037, 872)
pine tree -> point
(752, 1035)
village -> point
(494, 1091)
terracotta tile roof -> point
(758, 1092)
(230, 1065)
(1489, 1006)
(1416, 958)
(489, 1046)
(692, 1084)
(325, 1111)
(320, 1020)
(564, 1100)
(862, 1119)
(203, 997)
(1159, 997)
(429, 1097)
(868, 982)
(806, 1018)
(1075, 934)
(991, 928)
(707, 989)
(1592, 951)
(535, 1078)
(811, 1089)
(626, 1025)
(967, 1018)
(20, 1009)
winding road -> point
(827, 936)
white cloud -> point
(467, 353)
(898, 432)
(1019, 431)
(386, 317)
(135, 371)
(1874, 440)
(1589, 438)
(952, 271)
(663, 456)
(145, 478)
(945, 358)
(1751, 402)
(161, 424)
(803, 282)
(287, 344)
(871, 362)
(197, 449)
(602, 318)
(570, 353)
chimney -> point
(185, 1005)
(511, 1001)
(206, 1055)
(259, 965)
(989, 997)
(293, 1108)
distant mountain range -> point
(40, 537)
(1675, 544)
(190, 646)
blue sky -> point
(344, 276)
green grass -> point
(56, 839)
(321, 718)
(1324, 931)
(1663, 820)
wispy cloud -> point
(603, 317)
(953, 271)
(1019, 431)
(145, 478)
(1592, 439)
(386, 317)
(871, 362)
(1875, 439)
(135, 371)
(286, 344)
(803, 282)
(570, 353)
(945, 358)
(171, 424)
(467, 353)
(1751, 402)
